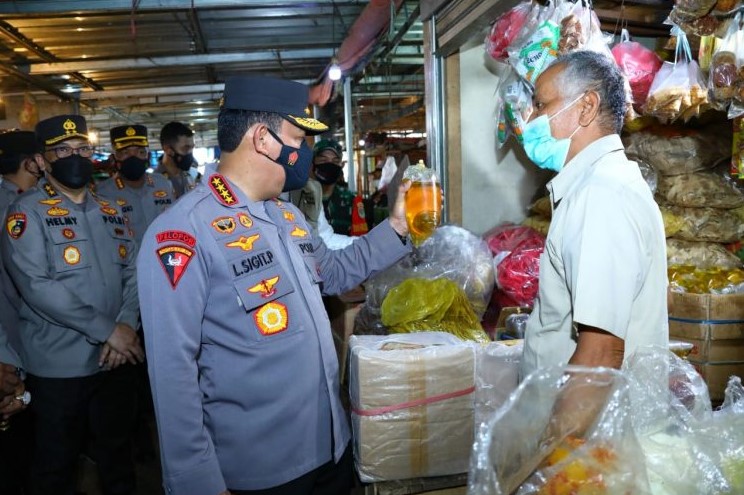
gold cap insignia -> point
(130, 131)
(69, 126)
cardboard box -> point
(717, 376)
(716, 351)
(412, 399)
(706, 316)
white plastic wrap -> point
(497, 376)
(412, 405)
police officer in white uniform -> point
(242, 363)
(71, 257)
(141, 196)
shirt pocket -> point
(307, 250)
(123, 244)
(71, 249)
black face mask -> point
(183, 161)
(73, 171)
(133, 168)
(296, 163)
(327, 173)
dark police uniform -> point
(139, 205)
(182, 182)
(241, 357)
(74, 267)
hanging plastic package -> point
(506, 29)
(639, 64)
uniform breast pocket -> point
(307, 249)
(71, 250)
(122, 254)
(263, 295)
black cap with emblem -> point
(14, 145)
(128, 135)
(57, 129)
(264, 94)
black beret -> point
(55, 129)
(128, 135)
(266, 94)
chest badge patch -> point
(298, 232)
(71, 255)
(265, 287)
(160, 194)
(289, 216)
(16, 225)
(245, 220)
(68, 233)
(121, 202)
(244, 243)
(174, 260)
(271, 318)
(122, 251)
(50, 202)
(224, 225)
(56, 211)
(177, 236)
(108, 210)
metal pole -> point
(349, 135)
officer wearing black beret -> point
(71, 257)
(242, 363)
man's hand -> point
(110, 359)
(10, 405)
(398, 213)
(124, 340)
(9, 380)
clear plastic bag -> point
(707, 224)
(703, 189)
(526, 448)
(700, 254)
(506, 29)
(518, 274)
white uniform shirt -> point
(604, 263)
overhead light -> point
(93, 137)
(361, 142)
(65, 76)
(334, 72)
(70, 88)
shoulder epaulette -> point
(222, 191)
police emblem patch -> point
(245, 220)
(298, 232)
(50, 202)
(56, 211)
(121, 202)
(108, 210)
(71, 254)
(292, 158)
(265, 287)
(122, 251)
(68, 233)
(103, 202)
(175, 236)
(174, 260)
(289, 216)
(244, 243)
(16, 225)
(224, 225)
(271, 318)
(160, 193)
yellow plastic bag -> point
(422, 305)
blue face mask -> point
(541, 147)
(296, 163)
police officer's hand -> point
(9, 380)
(110, 359)
(11, 404)
(124, 340)
(398, 213)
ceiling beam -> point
(90, 6)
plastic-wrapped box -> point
(497, 376)
(412, 405)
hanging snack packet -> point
(506, 29)
(639, 64)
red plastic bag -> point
(639, 64)
(518, 274)
(504, 238)
(505, 30)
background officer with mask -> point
(177, 141)
(140, 195)
(70, 255)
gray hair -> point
(585, 71)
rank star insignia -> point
(16, 225)
(56, 211)
(222, 190)
(224, 225)
(298, 232)
(289, 216)
(119, 183)
(50, 190)
(50, 202)
(68, 233)
(244, 243)
(108, 210)
(174, 260)
(71, 255)
(271, 318)
(122, 251)
(265, 287)
(245, 220)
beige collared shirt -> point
(604, 263)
